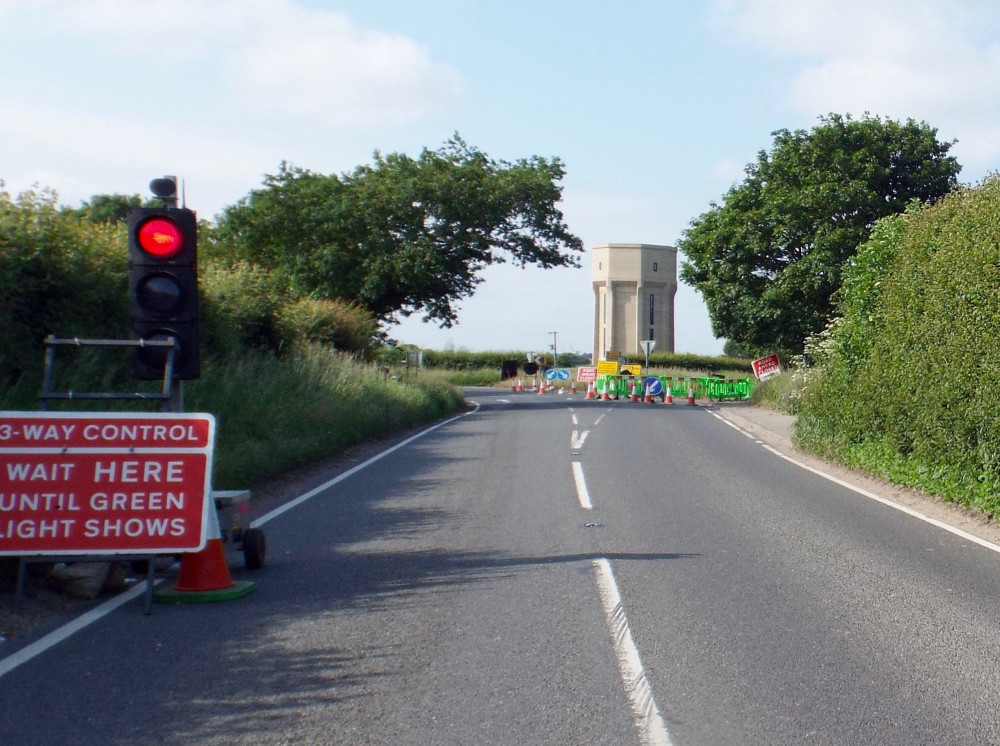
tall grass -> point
(274, 414)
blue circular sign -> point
(563, 374)
(551, 373)
(653, 385)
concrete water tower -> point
(634, 287)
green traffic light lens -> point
(160, 238)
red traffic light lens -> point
(160, 237)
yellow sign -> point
(612, 353)
(607, 367)
(632, 369)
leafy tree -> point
(109, 208)
(403, 235)
(768, 261)
(58, 275)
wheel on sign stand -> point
(254, 548)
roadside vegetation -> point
(903, 383)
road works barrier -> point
(619, 386)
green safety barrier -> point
(618, 386)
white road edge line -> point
(53, 638)
(871, 495)
(38, 647)
(581, 487)
(652, 729)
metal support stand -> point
(172, 397)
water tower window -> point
(654, 266)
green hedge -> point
(688, 361)
(905, 383)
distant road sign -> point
(632, 369)
(586, 375)
(653, 385)
(551, 374)
(607, 367)
(562, 374)
(94, 483)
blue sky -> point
(654, 107)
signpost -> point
(766, 367)
(101, 483)
(647, 346)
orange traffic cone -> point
(634, 396)
(541, 385)
(204, 575)
(691, 395)
(572, 387)
(648, 398)
(668, 398)
(520, 384)
(591, 394)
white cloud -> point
(331, 69)
(90, 153)
(931, 61)
(270, 57)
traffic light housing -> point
(163, 289)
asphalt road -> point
(462, 590)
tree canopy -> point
(403, 235)
(768, 261)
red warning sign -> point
(766, 367)
(104, 483)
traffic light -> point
(163, 289)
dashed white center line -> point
(581, 487)
(652, 729)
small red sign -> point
(766, 367)
(586, 375)
(104, 483)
